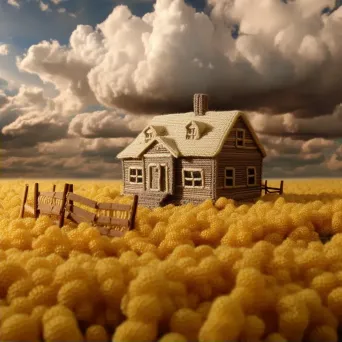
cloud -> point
(14, 3)
(43, 6)
(105, 124)
(290, 63)
(56, 2)
(61, 10)
(288, 125)
(4, 49)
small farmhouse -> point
(190, 157)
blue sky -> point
(29, 25)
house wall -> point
(239, 158)
(195, 195)
(127, 187)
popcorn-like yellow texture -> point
(211, 272)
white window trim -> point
(192, 186)
(135, 168)
(150, 165)
(239, 139)
(225, 177)
(248, 176)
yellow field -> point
(213, 272)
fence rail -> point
(62, 204)
(272, 190)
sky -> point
(80, 79)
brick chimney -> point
(200, 104)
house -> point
(190, 157)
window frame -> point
(148, 135)
(191, 132)
(225, 177)
(192, 178)
(237, 138)
(136, 168)
(250, 176)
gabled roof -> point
(201, 126)
(208, 145)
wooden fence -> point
(111, 219)
(45, 203)
(271, 190)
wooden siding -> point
(191, 194)
(249, 140)
(127, 187)
(239, 158)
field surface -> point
(212, 272)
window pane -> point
(187, 174)
(196, 174)
(251, 171)
(229, 172)
(198, 182)
(132, 172)
(140, 180)
(240, 134)
(139, 172)
(229, 182)
(251, 180)
(132, 179)
(188, 182)
(239, 142)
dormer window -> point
(240, 137)
(195, 130)
(148, 135)
(191, 133)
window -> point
(191, 133)
(193, 178)
(148, 135)
(229, 177)
(240, 137)
(135, 175)
(251, 175)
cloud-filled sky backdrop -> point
(79, 79)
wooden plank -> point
(83, 200)
(29, 209)
(113, 221)
(35, 200)
(75, 218)
(114, 206)
(133, 212)
(89, 217)
(116, 233)
(120, 222)
(50, 194)
(103, 230)
(23, 201)
(49, 209)
(103, 220)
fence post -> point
(62, 211)
(281, 187)
(133, 212)
(71, 203)
(266, 191)
(22, 208)
(53, 187)
(35, 200)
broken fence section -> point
(272, 190)
(112, 219)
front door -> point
(158, 177)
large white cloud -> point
(290, 60)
